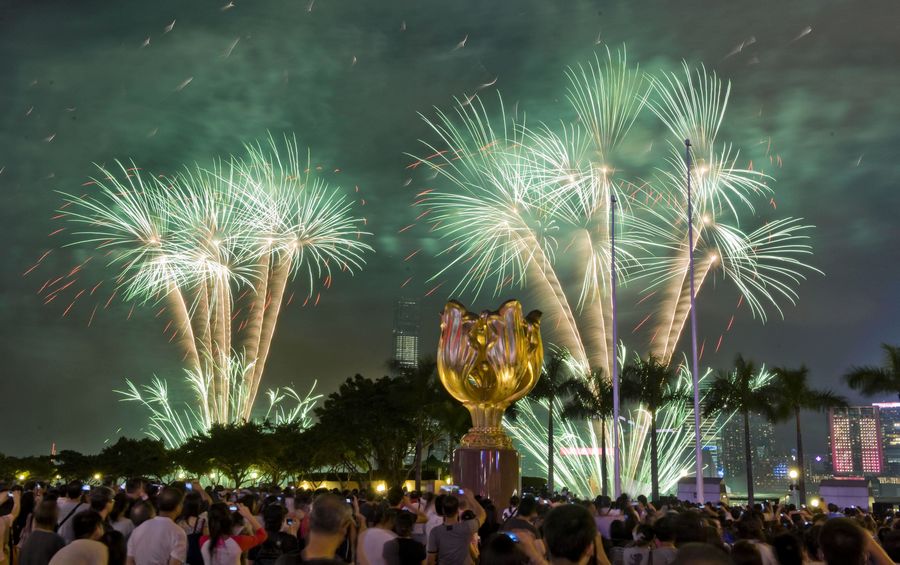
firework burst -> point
(529, 206)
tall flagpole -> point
(617, 471)
(695, 369)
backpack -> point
(269, 551)
(194, 555)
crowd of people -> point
(141, 523)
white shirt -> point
(82, 552)
(65, 510)
(227, 553)
(372, 542)
(156, 541)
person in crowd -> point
(193, 521)
(117, 518)
(408, 550)
(6, 520)
(85, 549)
(606, 515)
(281, 537)
(222, 546)
(101, 501)
(571, 536)
(448, 544)
(372, 545)
(843, 542)
(503, 549)
(159, 541)
(701, 554)
(43, 542)
(70, 504)
(329, 519)
(789, 549)
(523, 521)
(141, 511)
(510, 510)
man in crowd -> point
(43, 542)
(449, 543)
(87, 526)
(329, 519)
(7, 520)
(571, 537)
(843, 542)
(69, 505)
(159, 541)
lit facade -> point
(856, 441)
(768, 464)
(889, 414)
(406, 332)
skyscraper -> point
(767, 464)
(856, 441)
(889, 414)
(406, 332)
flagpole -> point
(617, 471)
(695, 369)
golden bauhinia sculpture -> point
(488, 361)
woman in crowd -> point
(221, 546)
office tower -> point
(406, 332)
(856, 441)
(889, 414)
(767, 465)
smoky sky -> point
(91, 81)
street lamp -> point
(793, 474)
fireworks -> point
(528, 205)
(219, 246)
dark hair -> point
(701, 554)
(273, 517)
(527, 507)
(133, 485)
(73, 490)
(664, 529)
(191, 506)
(689, 528)
(120, 504)
(328, 515)
(169, 499)
(100, 497)
(569, 531)
(219, 521)
(403, 524)
(811, 541)
(745, 553)
(46, 515)
(85, 523)
(141, 511)
(788, 548)
(450, 506)
(500, 549)
(891, 545)
(395, 496)
(514, 500)
(842, 542)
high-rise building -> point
(889, 414)
(856, 441)
(767, 464)
(406, 332)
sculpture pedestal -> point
(491, 472)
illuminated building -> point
(406, 332)
(856, 441)
(889, 414)
(768, 468)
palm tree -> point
(651, 383)
(871, 380)
(739, 390)
(550, 387)
(592, 399)
(793, 395)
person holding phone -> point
(7, 520)
(448, 544)
(220, 547)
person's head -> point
(701, 554)
(745, 553)
(403, 524)
(689, 528)
(811, 540)
(395, 496)
(528, 508)
(169, 501)
(134, 487)
(329, 516)
(101, 500)
(832, 507)
(602, 502)
(513, 501)
(891, 545)
(501, 549)
(664, 530)
(219, 521)
(192, 505)
(569, 533)
(788, 548)
(141, 512)
(450, 506)
(46, 515)
(842, 542)
(73, 490)
(87, 525)
(273, 517)
(120, 505)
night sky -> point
(80, 84)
